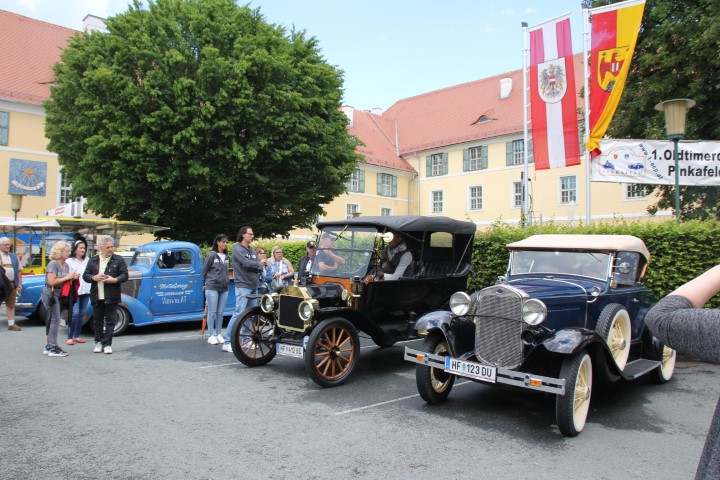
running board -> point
(639, 367)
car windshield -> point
(143, 257)
(344, 253)
(585, 264)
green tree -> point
(200, 116)
(677, 56)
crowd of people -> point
(72, 279)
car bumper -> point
(500, 375)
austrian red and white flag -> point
(553, 97)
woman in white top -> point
(281, 267)
(78, 261)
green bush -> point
(678, 252)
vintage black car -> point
(318, 318)
(570, 309)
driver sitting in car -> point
(395, 259)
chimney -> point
(91, 23)
(505, 87)
(348, 111)
(377, 111)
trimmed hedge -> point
(678, 252)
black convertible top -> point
(408, 223)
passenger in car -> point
(327, 259)
(395, 260)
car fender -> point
(437, 320)
(459, 332)
(139, 313)
(569, 341)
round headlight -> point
(305, 310)
(344, 295)
(267, 303)
(460, 303)
(534, 312)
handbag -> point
(277, 284)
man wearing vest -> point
(396, 258)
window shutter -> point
(530, 151)
(379, 184)
(394, 186)
(361, 181)
(466, 160)
(428, 165)
(484, 157)
(509, 153)
(444, 163)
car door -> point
(176, 285)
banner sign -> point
(653, 162)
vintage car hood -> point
(547, 288)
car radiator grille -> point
(499, 326)
(288, 316)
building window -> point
(4, 127)
(475, 195)
(637, 190)
(437, 201)
(517, 194)
(436, 164)
(387, 185)
(351, 209)
(515, 152)
(65, 190)
(356, 182)
(568, 189)
(475, 158)
(386, 212)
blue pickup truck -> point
(165, 285)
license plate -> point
(290, 350)
(470, 369)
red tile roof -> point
(450, 115)
(378, 134)
(29, 49)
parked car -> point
(318, 318)
(164, 285)
(569, 312)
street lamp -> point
(15, 206)
(675, 112)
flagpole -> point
(526, 196)
(586, 89)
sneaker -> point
(79, 340)
(220, 338)
(98, 347)
(227, 348)
(70, 342)
(107, 349)
(46, 350)
(14, 328)
(57, 352)
(212, 340)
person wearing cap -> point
(306, 262)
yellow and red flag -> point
(614, 36)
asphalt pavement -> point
(167, 405)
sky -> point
(388, 49)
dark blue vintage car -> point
(570, 309)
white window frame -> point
(471, 198)
(564, 191)
(64, 189)
(475, 158)
(517, 194)
(353, 183)
(351, 208)
(437, 201)
(632, 191)
(385, 184)
(386, 212)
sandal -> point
(70, 342)
(79, 340)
